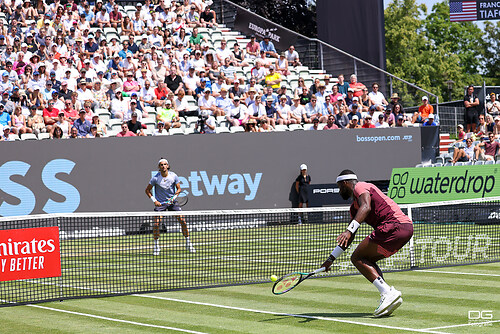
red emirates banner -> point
(29, 253)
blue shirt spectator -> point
(82, 125)
(268, 47)
(4, 117)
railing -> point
(317, 54)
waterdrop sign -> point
(435, 184)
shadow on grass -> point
(307, 317)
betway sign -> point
(200, 183)
(29, 253)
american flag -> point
(463, 11)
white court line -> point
(454, 272)
(117, 320)
(462, 325)
(291, 315)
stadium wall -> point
(226, 171)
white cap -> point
(355, 117)
(425, 98)
(355, 98)
(303, 166)
(431, 116)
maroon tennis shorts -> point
(391, 237)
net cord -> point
(232, 212)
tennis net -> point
(104, 254)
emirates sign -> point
(29, 253)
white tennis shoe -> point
(156, 250)
(388, 303)
(190, 247)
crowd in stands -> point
(479, 140)
(61, 62)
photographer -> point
(205, 123)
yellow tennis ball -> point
(274, 278)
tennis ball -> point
(274, 278)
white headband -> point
(346, 177)
(162, 160)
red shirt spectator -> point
(50, 114)
(161, 91)
(357, 86)
(125, 131)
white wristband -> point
(153, 199)
(337, 252)
(353, 226)
(174, 197)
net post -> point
(411, 244)
(60, 278)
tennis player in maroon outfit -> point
(392, 230)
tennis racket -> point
(180, 200)
(290, 281)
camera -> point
(200, 123)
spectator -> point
(292, 57)
(481, 129)
(461, 135)
(400, 122)
(125, 132)
(18, 121)
(395, 100)
(389, 118)
(168, 116)
(330, 123)
(342, 85)
(238, 56)
(273, 79)
(257, 111)
(282, 65)
(134, 125)
(34, 121)
(356, 86)
(496, 128)
(315, 125)
(489, 123)
(367, 124)
(377, 99)
(63, 124)
(354, 123)
(82, 125)
(341, 119)
(223, 103)
(349, 98)
(237, 114)
(314, 88)
(381, 123)
(424, 111)
(284, 112)
(208, 18)
(353, 111)
(50, 115)
(430, 121)
(486, 150)
(73, 133)
(463, 154)
(314, 110)
(100, 127)
(258, 72)
(471, 103)
(6, 134)
(321, 93)
(160, 131)
(253, 48)
(57, 133)
(268, 47)
(493, 106)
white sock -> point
(381, 285)
(187, 240)
(156, 242)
